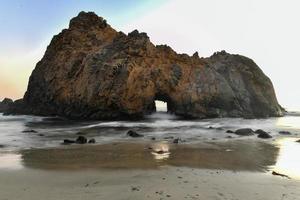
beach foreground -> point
(239, 169)
(165, 183)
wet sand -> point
(235, 155)
(233, 169)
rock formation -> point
(5, 104)
(91, 71)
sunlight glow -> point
(288, 161)
(161, 106)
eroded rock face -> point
(92, 71)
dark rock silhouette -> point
(133, 134)
(284, 133)
(91, 71)
(260, 131)
(81, 140)
(264, 135)
(244, 132)
(92, 141)
(5, 104)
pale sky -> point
(265, 30)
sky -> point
(265, 30)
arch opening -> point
(162, 103)
(161, 106)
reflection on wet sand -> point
(230, 155)
(10, 161)
(288, 161)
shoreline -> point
(235, 169)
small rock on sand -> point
(176, 141)
(134, 134)
(244, 132)
(92, 141)
(67, 141)
(81, 140)
(264, 135)
(229, 131)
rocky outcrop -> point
(5, 104)
(91, 71)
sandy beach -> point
(237, 169)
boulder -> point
(92, 141)
(244, 132)
(91, 71)
(5, 104)
(260, 131)
(176, 141)
(264, 135)
(229, 131)
(81, 140)
(134, 134)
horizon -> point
(24, 46)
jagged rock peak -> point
(137, 34)
(87, 20)
(196, 55)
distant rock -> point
(176, 141)
(229, 131)
(81, 140)
(92, 141)
(260, 131)
(244, 132)
(67, 141)
(5, 104)
(264, 135)
(298, 141)
(91, 71)
(134, 134)
(285, 133)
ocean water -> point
(201, 139)
(50, 132)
